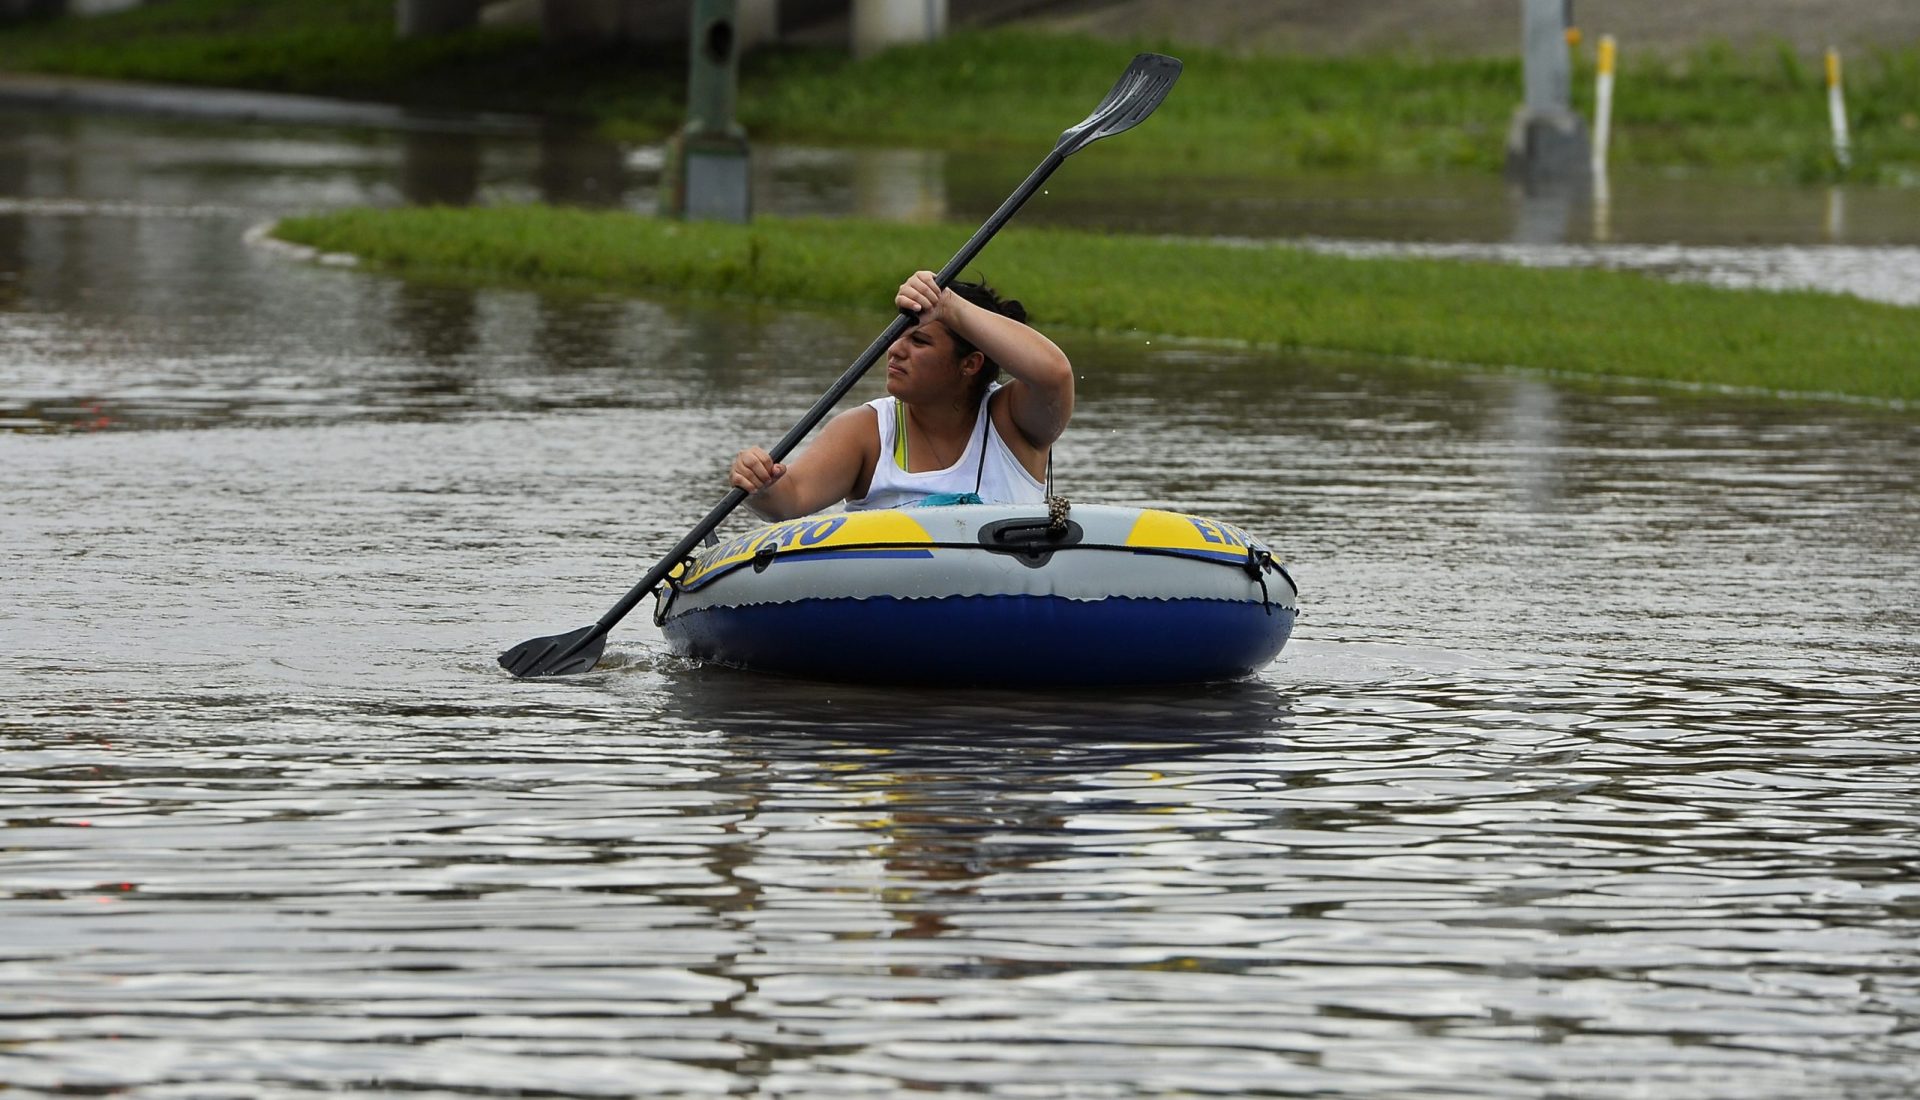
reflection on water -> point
(1588, 773)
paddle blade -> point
(556, 655)
(1139, 90)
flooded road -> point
(1589, 771)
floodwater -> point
(1589, 773)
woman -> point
(947, 431)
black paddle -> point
(1139, 90)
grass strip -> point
(1760, 114)
(1587, 322)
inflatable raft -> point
(985, 595)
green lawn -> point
(1754, 115)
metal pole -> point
(1547, 141)
(707, 161)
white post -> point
(878, 24)
(1603, 106)
(900, 185)
(1837, 110)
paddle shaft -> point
(736, 495)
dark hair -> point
(987, 298)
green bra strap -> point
(900, 434)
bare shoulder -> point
(860, 424)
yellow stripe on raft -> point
(886, 528)
(1159, 530)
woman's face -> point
(922, 364)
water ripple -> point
(1588, 773)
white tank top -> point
(996, 475)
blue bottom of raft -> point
(1006, 641)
